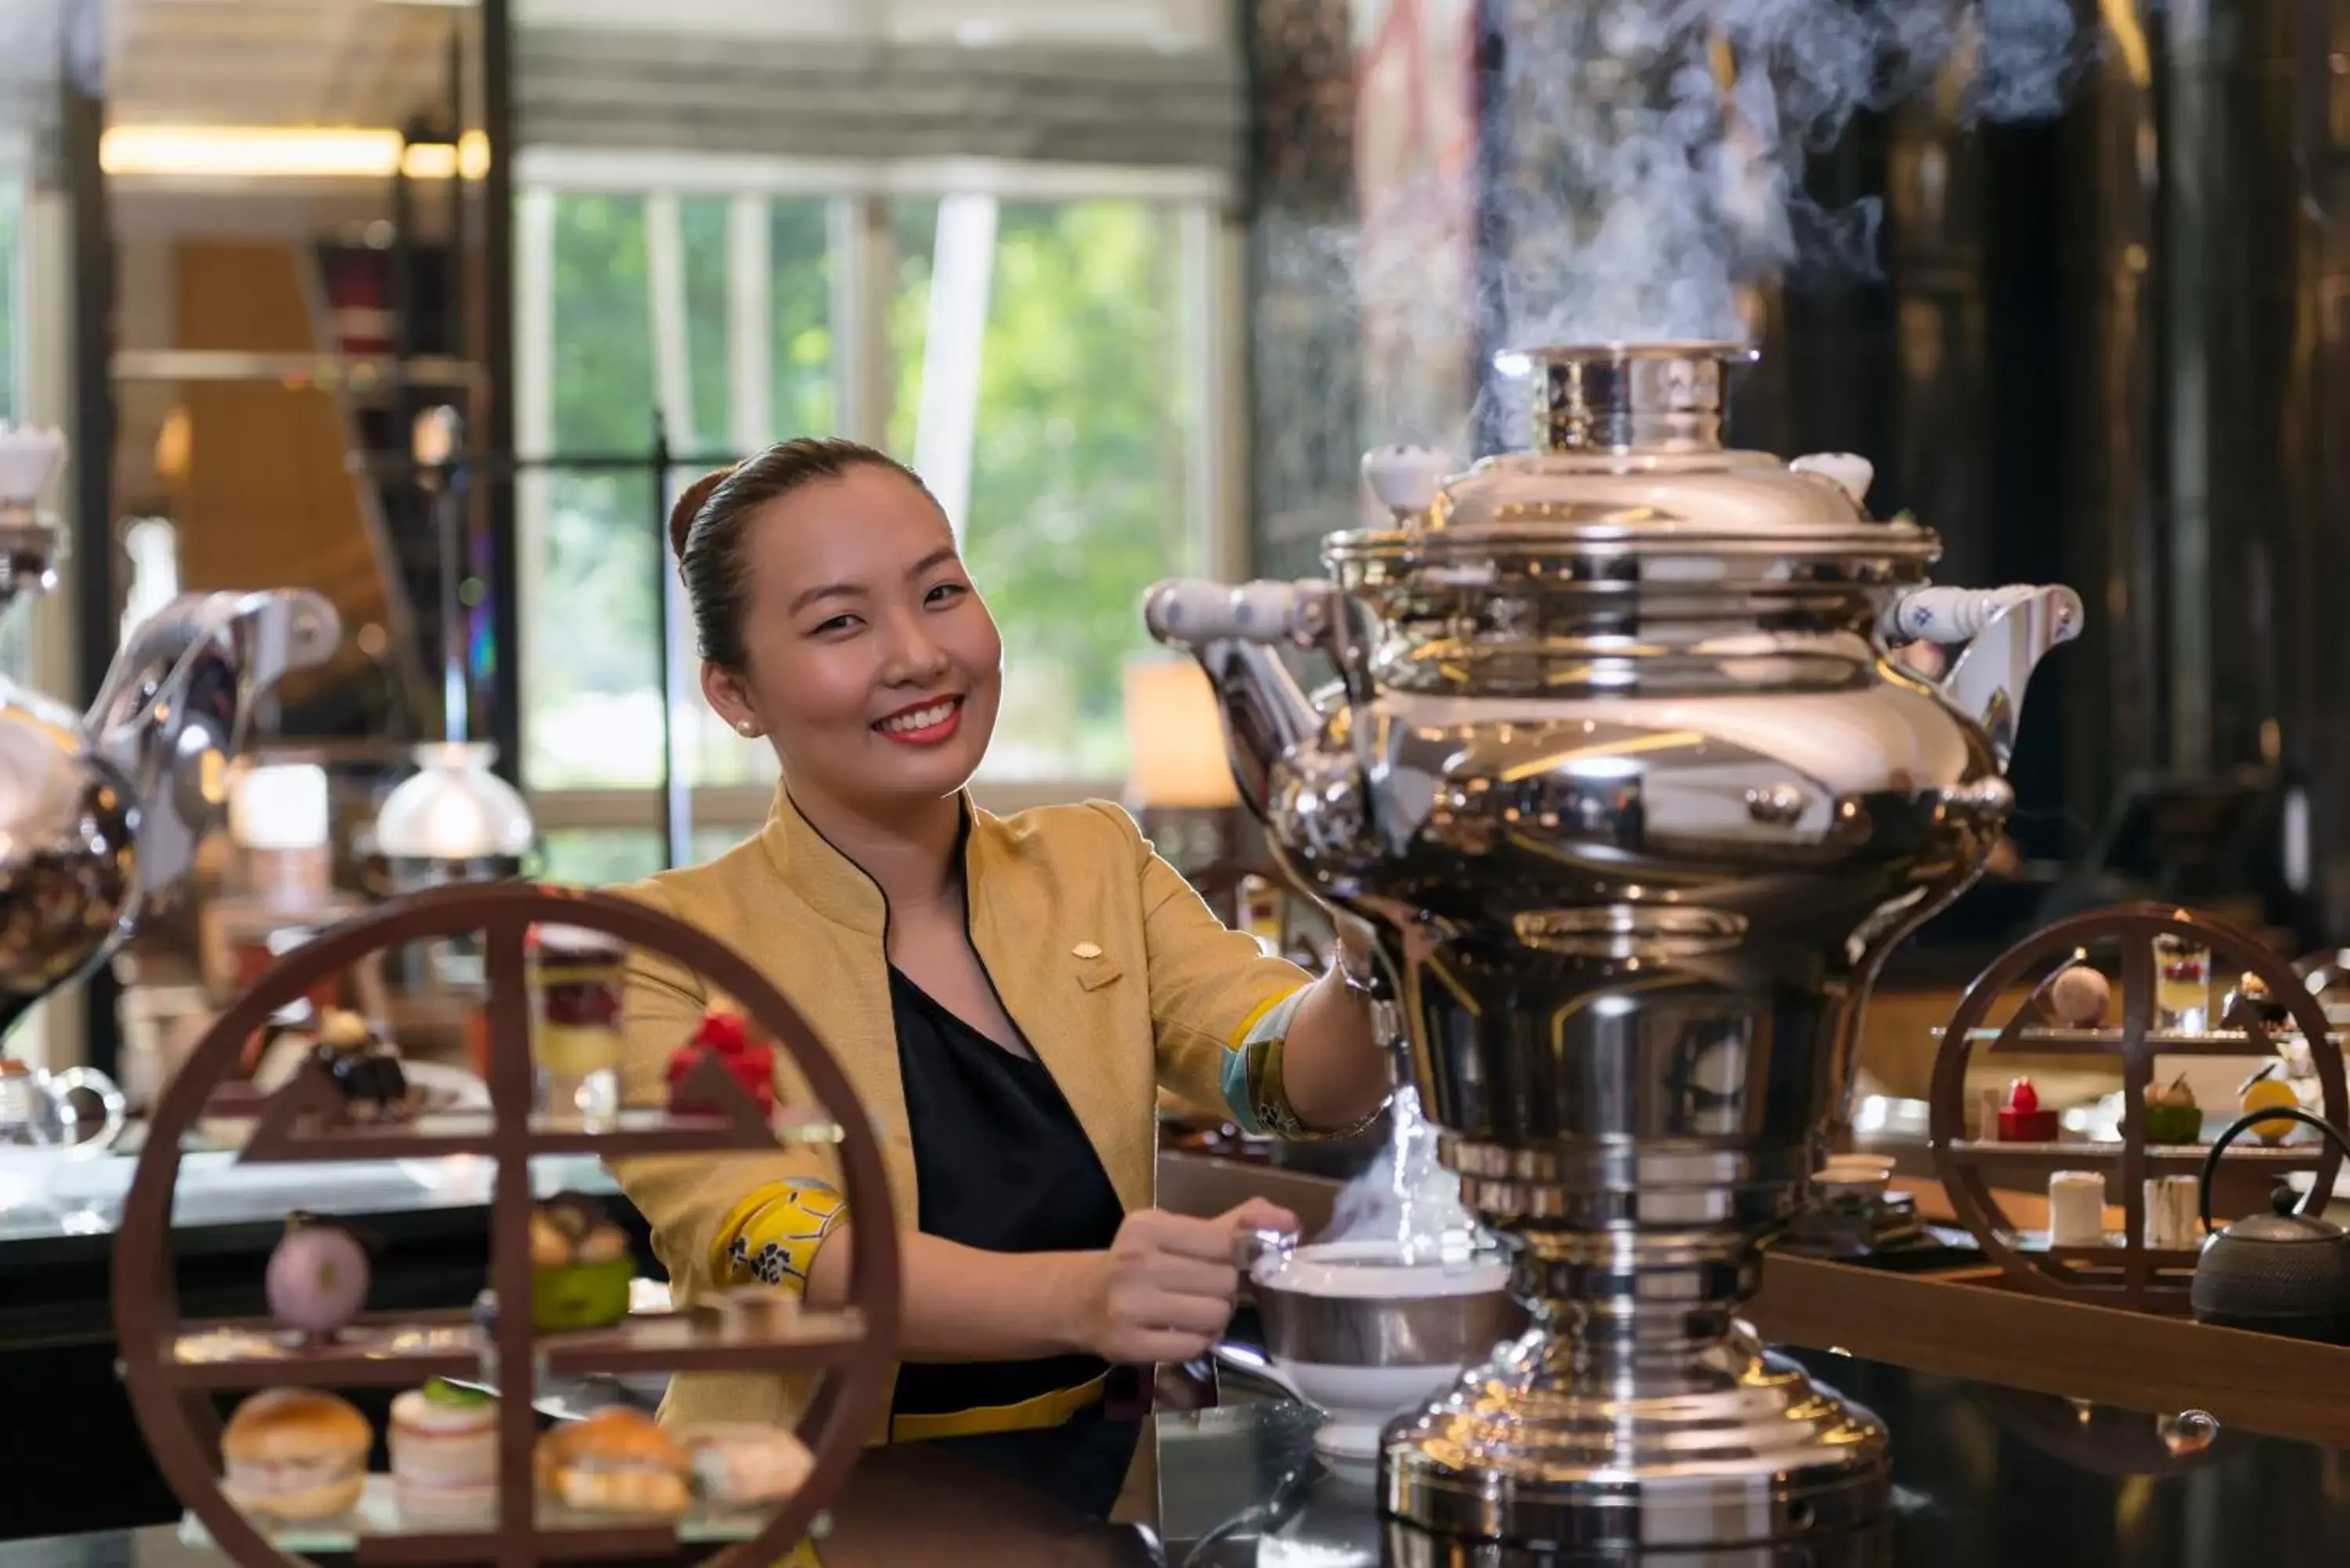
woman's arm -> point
(1163, 1291)
(1334, 1066)
(698, 1204)
(1284, 1053)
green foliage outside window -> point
(1080, 469)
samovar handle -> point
(176, 703)
(2006, 632)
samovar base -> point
(1409, 1546)
(1732, 1447)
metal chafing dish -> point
(1622, 777)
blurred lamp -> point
(280, 819)
(1175, 739)
(279, 806)
(1178, 780)
(454, 808)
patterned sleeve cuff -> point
(1251, 1077)
(772, 1236)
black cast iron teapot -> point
(2286, 1271)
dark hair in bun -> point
(708, 528)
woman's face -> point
(873, 663)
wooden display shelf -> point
(164, 1361)
(2042, 1041)
(386, 1349)
(374, 1533)
(302, 1123)
(380, 1349)
(2126, 1275)
(1987, 1331)
(642, 1132)
(694, 1342)
(2188, 1158)
(2113, 1252)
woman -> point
(1007, 994)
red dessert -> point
(2021, 1120)
(724, 1037)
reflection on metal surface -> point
(2188, 1432)
(1635, 806)
(100, 811)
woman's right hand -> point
(1164, 1290)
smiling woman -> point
(1006, 994)
(851, 601)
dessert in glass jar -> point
(576, 1037)
(2182, 985)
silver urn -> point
(1625, 775)
(102, 812)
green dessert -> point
(580, 1266)
(2172, 1116)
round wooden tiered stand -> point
(2127, 1274)
(172, 1373)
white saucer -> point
(1349, 1450)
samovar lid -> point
(1627, 460)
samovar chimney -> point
(1629, 396)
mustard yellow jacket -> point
(1118, 974)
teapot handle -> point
(1252, 1249)
(90, 1080)
(2314, 1204)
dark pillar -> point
(96, 612)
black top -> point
(999, 1164)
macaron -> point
(444, 1454)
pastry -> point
(2076, 1208)
(294, 1454)
(2253, 1003)
(580, 1266)
(2078, 997)
(579, 983)
(2171, 1212)
(445, 1455)
(318, 1276)
(2266, 1090)
(2171, 1114)
(364, 1069)
(740, 1464)
(615, 1462)
(2021, 1120)
(724, 1036)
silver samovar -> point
(101, 813)
(1623, 778)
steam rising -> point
(1641, 176)
(1657, 147)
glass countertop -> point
(58, 1196)
(1984, 1477)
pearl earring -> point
(747, 727)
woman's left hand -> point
(1165, 1289)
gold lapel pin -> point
(1088, 950)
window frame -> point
(861, 254)
(52, 1033)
